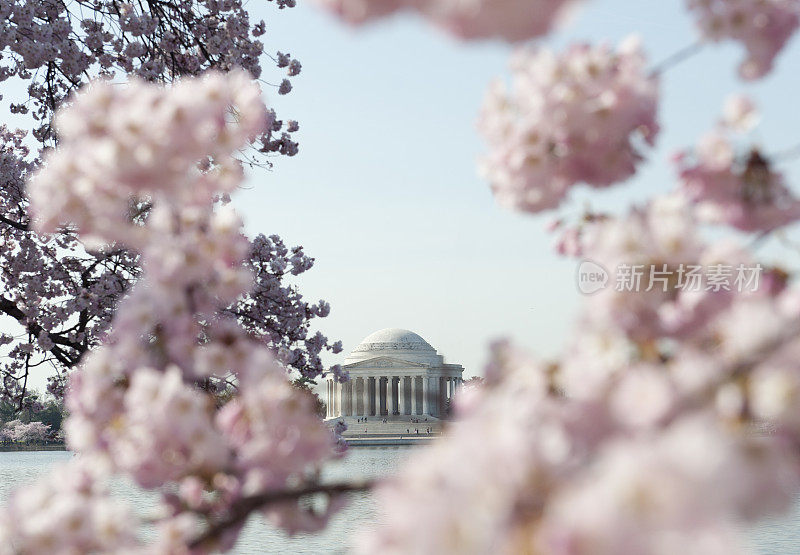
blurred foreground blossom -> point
(762, 26)
(69, 511)
(740, 113)
(512, 20)
(645, 459)
(742, 190)
(145, 404)
(578, 117)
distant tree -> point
(35, 407)
(22, 432)
(51, 413)
(474, 381)
(60, 294)
(306, 386)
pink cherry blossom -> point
(69, 511)
(567, 119)
(127, 159)
(512, 20)
(144, 404)
(740, 113)
(361, 11)
(165, 431)
(743, 191)
(53, 51)
(762, 26)
(651, 252)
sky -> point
(385, 195)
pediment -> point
(385, 362)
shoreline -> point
(386, 441)
(47, 447)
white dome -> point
(397, 343)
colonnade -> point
(391, 395)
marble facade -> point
(394, 372)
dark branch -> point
(241, 510)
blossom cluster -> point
(687, 277)
(638, 439)
(69, 511)
(576, 117)
(512, 20)
(144, 404)
(53, 49)
(16, 430)
(762, 26)
(727, 187)
(156, 43)
(102, 165)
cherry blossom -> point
(512, 20)
(639, 437)
(740, 190)
(651, 252)
(144, 404)
(740, 113)
(16, 430)
(54, 50)
(154, 42)
(68, 511)
(641, 466)
(762, 26)
(568, 118)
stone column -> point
(385, 395)
(390, 396)
(425, 395)
(401, 396)
(377, 392)
(437, 395)
(364, 396)
(327, 398)
(377, 395)
(413, 395)
(444, 395)
(348, 404)
(356, 396)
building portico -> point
(394, 372)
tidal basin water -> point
(774, 537)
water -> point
(258, 536)
(779, 536)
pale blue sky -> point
(384, 191)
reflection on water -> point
(772, 537)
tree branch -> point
(18, 225)
(241, 510)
